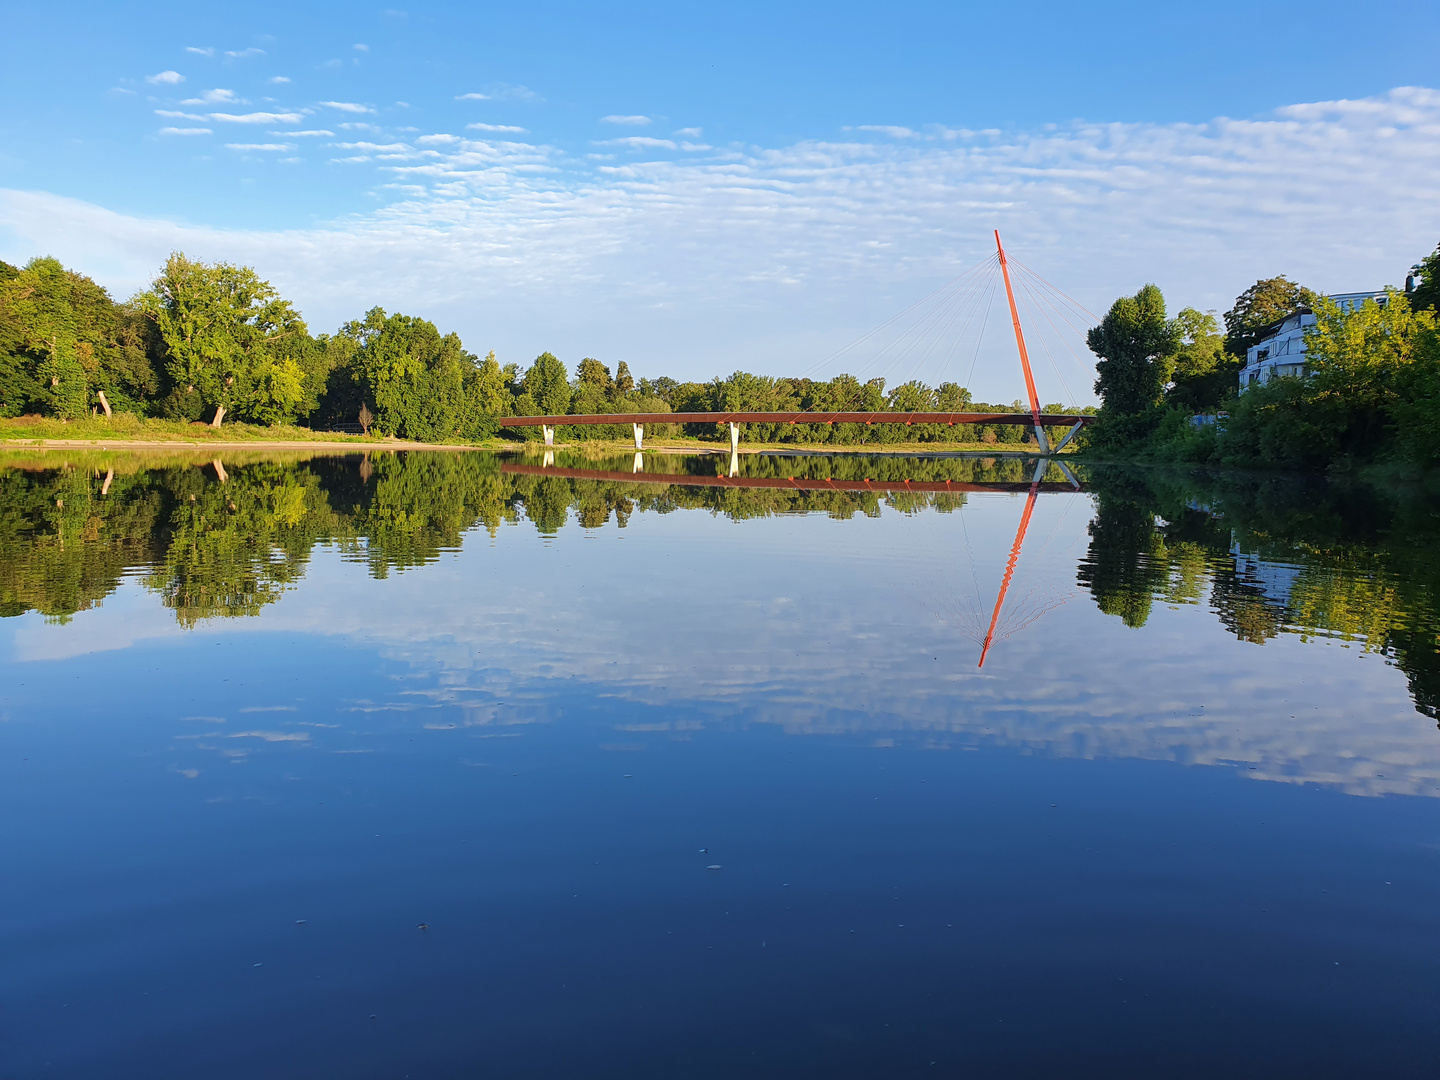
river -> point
(450, 765)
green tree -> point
(1205, 373)
(63, 341)
(1426, 296)
(547, 386)
(415, 375)
(1267, 301)
(624, 381)
(1136, 344)
(229, 340)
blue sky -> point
(697, 190)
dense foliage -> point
(210, 342)
(1370, 391)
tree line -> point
(210, 342)
(1370, 391)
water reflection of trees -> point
(1274, 556)
(214, 538)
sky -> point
(747, 186)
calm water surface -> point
(442, 766)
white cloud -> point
(165, 78)
(785, 253)
(315, 132)
(259, 146)
(629, 121)
(215, 97)
(120, 90)
(361, 48)
(496, 127)
(501, 92)
(640, 142)
(437, 140)
(171, 114)
(690, 133)
(242, 53)
(885, 129)
(694, 147)
(199, 51)
(347, 106)
(277, 80)
(373, 147)
(257, 118)
(184, 131)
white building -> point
(1282, 351)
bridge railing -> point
(949, 418)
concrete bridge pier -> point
(549, 458)
(638, 465)
(734, 438)
(639, 436)
(549, 433)
(1041, 439)
(734, 463)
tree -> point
(416, 376)
(1205, 374)
(1362, 364)
(63, 341)
(547, 386)
(1267, 301)
(229, 339)
(624, 382)
(1426, 296)
(1135, 344)
(591, 372)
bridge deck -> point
(950, 418)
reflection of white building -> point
(1282, 351)
(1274, 579)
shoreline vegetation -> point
(1365, 396)
(212, 352)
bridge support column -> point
(549, 433)
(638, 465)
(639, 436)
(1041, 439)
(734, 463)
(734, 438)
(1068, 436)
(549, 458)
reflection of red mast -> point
(1014, 558)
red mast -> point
(1020, 341)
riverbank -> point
(126, 432)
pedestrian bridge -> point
(1038, 420)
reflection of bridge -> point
(797, 483)
(1033, 489)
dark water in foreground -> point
(423, 766)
